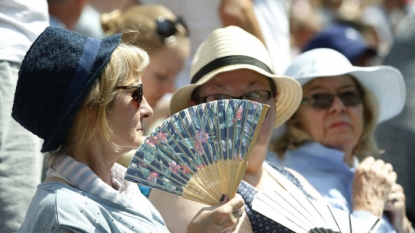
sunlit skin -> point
(338, 127)
(238, 83)
(126, 120)
(160, 75)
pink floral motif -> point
(198, 147)
(152, 140)
(162, 137)
(200, 166)
(200, 138)
(174, 167)
(238, 157)
(238, 116)
(239, 113)
(186, 170)
(203, 136)
(152, 177)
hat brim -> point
(289, 98)
(385, 82)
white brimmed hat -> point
(232, 48)
(385, 82)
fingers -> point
(236, 203)
(372, 185)
(233, 207)
(397, 194)
(368, 161)
(238, 213)
(223, 217)
(379, 169)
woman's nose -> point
(337, 104)
(145, 109)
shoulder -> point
(43, 209)
(59, 206)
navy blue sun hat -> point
(55, 77)
(342, 38)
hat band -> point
(80, 76)
(226, 61)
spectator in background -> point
(346, 40)
(165, 37)
(106, 6)
(397, 136)
(89, 23)
(265, 19)
(305, 22)
(65, 13)
(330, 138)
(21, 21)
(384, 17)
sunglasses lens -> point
(351, 98)
(138, 94)
(322, 101)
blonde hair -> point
(141, 19)
(126, 65)
(295, 135)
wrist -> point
(374, 209)
(404, 227)
(407, 226)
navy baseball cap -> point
(342, 38)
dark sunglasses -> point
(137, 94)
(325, 101)
(166, 29)
(261, 96)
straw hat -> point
(385, 82)
(232, 48)
(56, 75)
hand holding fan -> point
(201, 152)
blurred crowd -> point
(368, 33)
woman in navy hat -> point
(84, 98)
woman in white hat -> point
(232, 63)
(333, 130)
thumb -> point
(237, 202)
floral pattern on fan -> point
(200, 152)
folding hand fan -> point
(200, 152)
(302, 214)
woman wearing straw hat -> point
(232, 63)
(84, 98)
(333, 130)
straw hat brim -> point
(289, 98)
